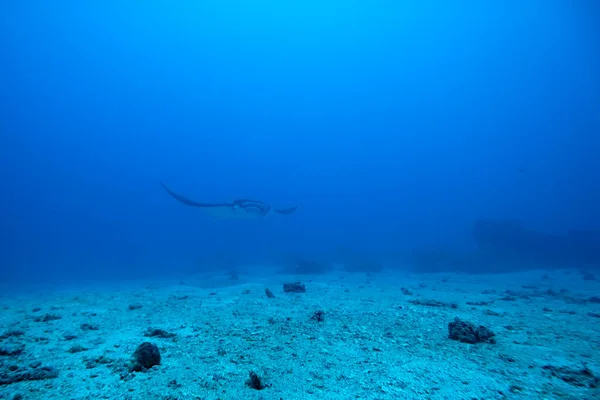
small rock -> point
(467, 332)
(255, 382)
(594, 299)
(88, 327)
(11, 350)
(20, 375)
(76, 349)
(318, 316)
(295, 287)
(69, 336)
(582, 377)
(491, 313)
(11, 333)
(47, 318)
(159, 333)
(145, 357)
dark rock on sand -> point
(15, 374)
(582, 377)
(467, 332)
(295, 287)
(145, 357)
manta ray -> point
(240, 208)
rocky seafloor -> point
(391, 335)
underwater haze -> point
(299, 200)
(393, 126)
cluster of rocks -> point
(13, 368)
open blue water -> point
(393, 126)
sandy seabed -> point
(383, 336)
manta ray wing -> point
(286, 211)
(192, 203)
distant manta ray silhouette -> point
(240, 208)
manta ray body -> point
(240, 208)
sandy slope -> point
(375, 342)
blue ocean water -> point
(393, 126)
